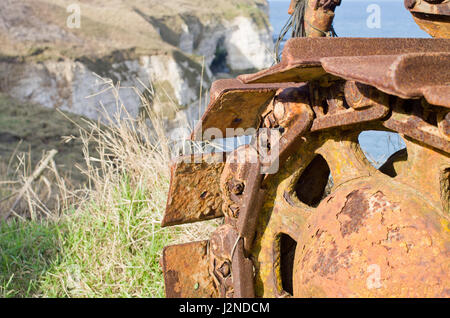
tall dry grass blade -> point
(37, 172)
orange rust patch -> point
(186, 271)
(194, 193)
(353, 214)
(373, 242)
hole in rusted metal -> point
(345, 104)
(431, 118)
(325, 106)
(314, 181)
(287, 256)
(407, 106)
(388, 168)
(384, 150)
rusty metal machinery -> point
(326, 222)
(433, 16)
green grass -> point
(27, 252)
(93, 253)
(106, 240)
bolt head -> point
(225, 269)
(238, 188)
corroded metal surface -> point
(232, 242)
(373, 239)
(240, 183)
(367, 104)
(291, 111)
(321, 268)
(186, 271)
(437, 95)
(319, 15)
(429, 7)
(403, 75)
(194, 192)
(223, 239)
(444, 124)
(432, 16)
(415, 127)
(235, 105)
(242, 268)
(301, 59)
(353, 230)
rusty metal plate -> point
(433, 18)
(251, 205)
(282, 72)
(373, 227)
(404, 75)
(436, 27)
(428, 8)
(235, 105)
(242, 268)
(301, 60)
(437, 95)
(416, 128)
(350, 117)
(186, 271)
(194, 193)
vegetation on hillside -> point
(106, 240)
(80, 202)
(36, 30)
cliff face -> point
(165, 45)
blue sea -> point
(364, 18)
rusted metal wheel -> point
(326, 222)
(373, 234)
(306, 214)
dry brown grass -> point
(47, 194)
(109, 238)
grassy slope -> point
(26, 128)
(92, 254)
(27, 250)
(110, 244)
(110, 247)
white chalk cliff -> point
(168, 51)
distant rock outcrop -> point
(168, 44)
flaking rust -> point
(194, 192)
(324, 222)
(186, 271)
(235, 106)
(433, 16)
(365, 243)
